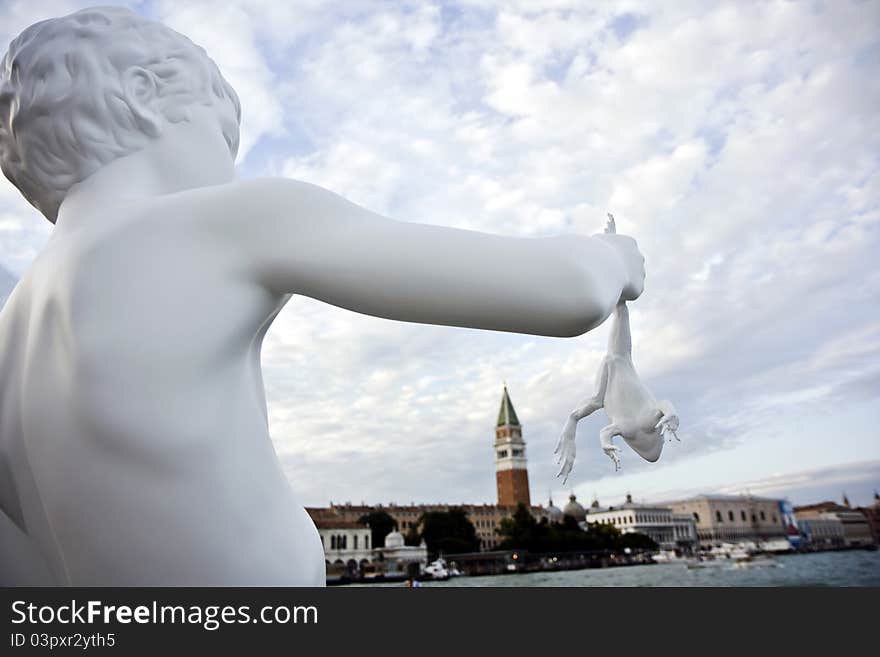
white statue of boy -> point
(134, 447)
(633, 412)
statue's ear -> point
(141, 91)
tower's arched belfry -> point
(511, 470)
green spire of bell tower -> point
(506, 415)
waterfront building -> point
(346, 542)
(397, 557)
(872, 515)
(486, 518)
(575, 510)
(856, 528)
(347, 548)
(821, 533)
(554, 513)
(668, 529)
(733, 518)
(684, 531)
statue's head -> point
(81, 91)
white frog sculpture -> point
(632, 409)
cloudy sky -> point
(738, 142)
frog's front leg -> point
(612, 452)
(565, 446)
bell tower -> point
(511, 470)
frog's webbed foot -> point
(565, 450)
(611, 451)
(614, 454)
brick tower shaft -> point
(511, 468)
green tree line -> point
(452, 532)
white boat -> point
(719, 555)
(732, 551)
(756, 561)
(668, 556)
(743, 555)
(776, 545)
(437, 570)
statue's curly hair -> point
(65, 107)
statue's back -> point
(131, 357)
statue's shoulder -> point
(239, 203)
(248, 195)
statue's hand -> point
(632, 264)
(565, 449)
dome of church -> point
(394, 540)
(554, 512)
(574, 510)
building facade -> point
(486, 518)
(821, 533)
(733, 518)
(669, 530)
(855, 525)
(872, 515)
(397, 557)
(346, 542)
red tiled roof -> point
(329, 519)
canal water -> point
(846, 568)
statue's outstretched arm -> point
(302, 239)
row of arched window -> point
(340, 542)
(731, 516)
(639, 518)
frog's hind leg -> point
(668, 420)
(611, 451)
